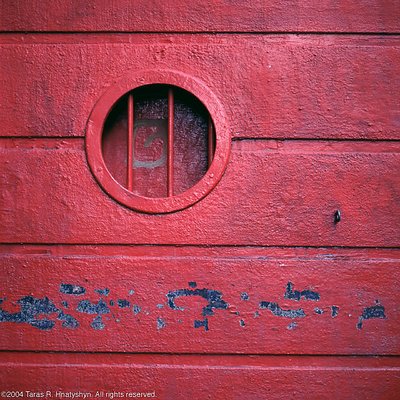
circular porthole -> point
(157, 142)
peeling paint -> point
(123, 303)
(103, 292)
(376, 311)
(87, 307)
(68, 321)
(199, 324)
(136, 309)
(292, 325)
(279, 312)
(99, 308)
(161, 323)
(97, 323)
(43, 314)
(213, 297)
(334, 311)
(244, 296)
(297, 295)
(68, 288)
(32, 308)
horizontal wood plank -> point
(186, 16)
(274, 193)
(284, 86)
(197, 377)
(323, 304)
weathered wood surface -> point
(218, 377)
(201, 16)
(200, 301)
(97, 297)
(273, 193)
(281, 86)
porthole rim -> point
(94, 133)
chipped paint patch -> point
(136, 309)
(122, 303)
(43, 314)
(376, 311)
(213, 297)
(292, 325)
(161, 323)
(32, 308)
(297, 295)
(99, 308)
(68, 321)
(244, 296)
(97, 323)
(199, 324)
(87, 307)
(68, 288)
(102, 292)
(334, 311)
(279, 312)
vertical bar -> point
(210, 141)
(170, 173)
(130, 143)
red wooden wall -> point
(254, 292)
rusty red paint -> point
(276, 276)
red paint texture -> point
(224, 377)
(182, 147)
(202, 16)
(272, 193)
(281, 86)
(309, 94)
(347, 281)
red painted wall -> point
(256, 291)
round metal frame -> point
(94, 132)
